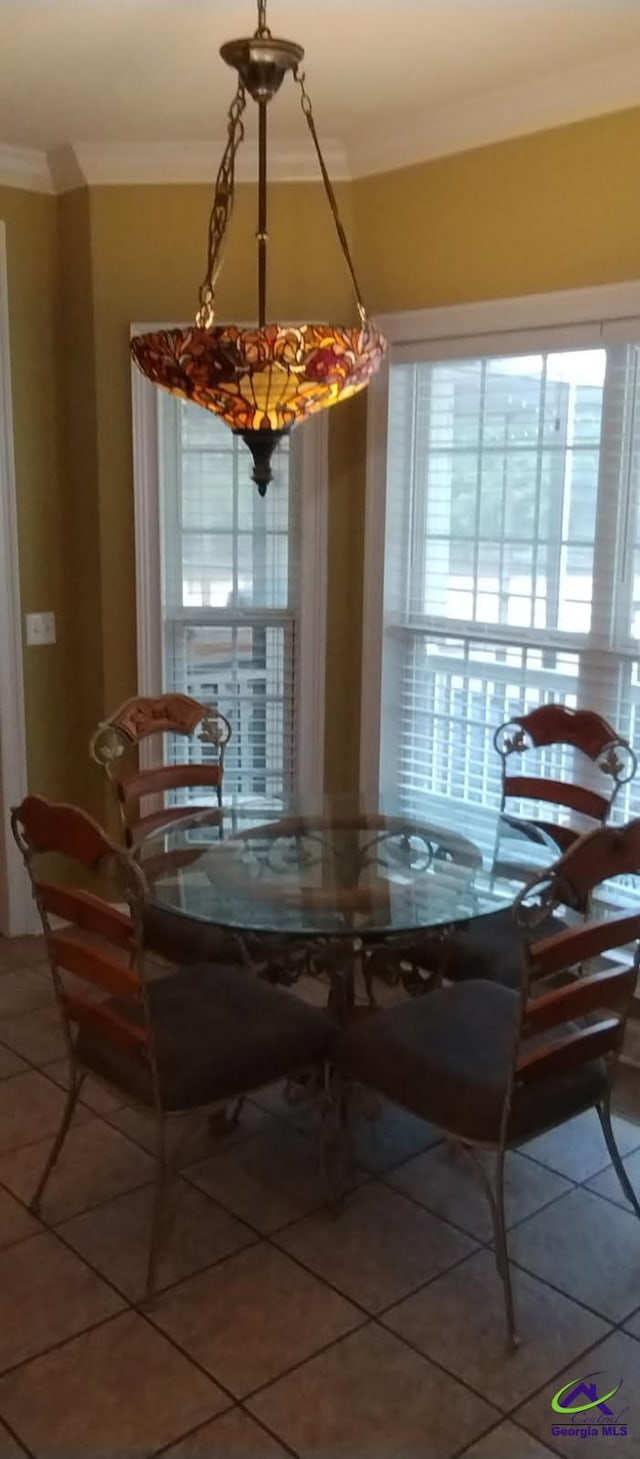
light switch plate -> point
(41, 628)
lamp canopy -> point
(262, 380)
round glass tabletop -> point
(339, 865)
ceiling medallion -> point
(263, 380)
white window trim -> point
(17, 911)
(310, 687)
(587, 317)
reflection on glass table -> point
(335, 875)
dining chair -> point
(609, 763)
(115, 745)
(488, 946)
(493, 1066)
(200, 1036)
(608, 760)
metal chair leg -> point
(224, 1120)
(502, 1250)
(604, 1115)
(160, 1183)
(336, 1152)
(496, 1206)
(77, 1080)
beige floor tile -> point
(446, 1181)
(97, 1096)
(267, 1180)
(10, 1063)
(372, 1396)
(234, 1436)
(252, 1317)
(290, 1100)
(386, 1135)
(95, 1164)
(615, 1360)
(120, 1391)
(21, 951)
(607, 1183)
(508, 1441)
(114, 1238)
(577, 1149)
(30, 1108)
(9, 1448)
(383, 1135)
(16, 1223)
(24, 989)
(377, 1248)
(459, 1321)
(36, 1036)
(626, 1093)
(589, 1248)
(189, 1137)
(46, 1295)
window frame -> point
(571, 319)
(312, 569)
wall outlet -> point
(41, 628)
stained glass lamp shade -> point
(263, 380)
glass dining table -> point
(335, 883)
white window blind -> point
(230, 592)
(512, 556)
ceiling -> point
(392, 81)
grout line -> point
(504, 1413)
(267, 1238)
(568, 1296)
(295, 1367)
(277, 1437)
(512, 1415)
(136, 1302)
(237, 1408)
(20, 1442)
(461, 1453)
(60, 1343)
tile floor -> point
(283, 1328)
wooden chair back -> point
(568, 1023)
(99, 944)
(605, 853)
(584, 1019)
(114, 746)
(612, 764)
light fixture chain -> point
(222, 208)
(263, 29)
(305, 102)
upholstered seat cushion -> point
(218, 1031)
(447, 1057)
(486, 947)
(184, 939)
(491, 947)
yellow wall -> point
(30, 223)
(552, 211)
(556, 210)
(77, 415)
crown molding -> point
(109, 164)
(65, 170)
(540, 105)
(23, 167)
(603, 87)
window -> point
(510, 550)
(221, 613)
